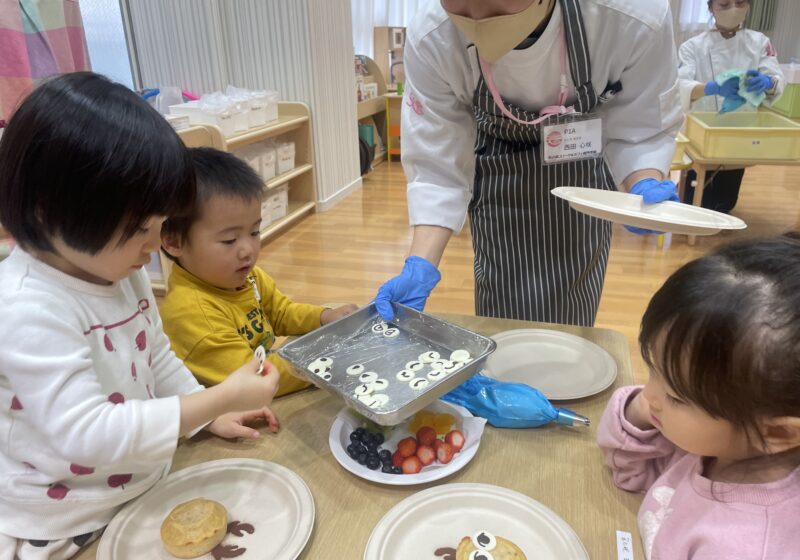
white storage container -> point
(253, 155)
(285, 157)
(240, 111)
(791, 72)
(218, 115)
(269, 160)
(279, 202)
(263, 108)
(266, 213)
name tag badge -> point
(572, 141)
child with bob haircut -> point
(713, 438)
(92, 400)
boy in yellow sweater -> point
(220, 306)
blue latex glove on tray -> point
(653, 191)
(411, 287)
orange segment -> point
(443, 423)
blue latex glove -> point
(411, 287)
(729, 88)
(653, 191)
(758, 82)
(508, 405)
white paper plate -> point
(561, 365)
(345, 423)
(271, 498)
(630, 210)
(440, 517)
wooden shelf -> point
(297, 209)
(286, 177)
(283, 124)
(371, 107)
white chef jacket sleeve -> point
(769, 65)
(641, 122)
(438, 135)
(687, 73)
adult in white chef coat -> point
(486, 132)
(728, 46)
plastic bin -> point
(285, 157)
(269, 159)
(253, 155)
(749, 136)
(266, 213)
(789, 103)
(263, 108)
(279, 202)
(219, 116)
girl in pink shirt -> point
(713, 438)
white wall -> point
(786, 35)
(301, 48)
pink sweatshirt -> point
(682, 516)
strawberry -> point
(456, 439)
(397, 459)
(426, 454)
(426, 435)
(411, 465)
(445, 453)
(407, 447)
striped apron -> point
(535, 258)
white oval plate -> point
(561, 365)
(441, 516)
(271, 498)
(345, 422)
(631, 210)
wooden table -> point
(560, 467)
(702, 165)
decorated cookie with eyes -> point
(483, 545)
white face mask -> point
(497, 36)
(732, 18)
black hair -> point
(218, 173)
(724, 331)
(83, 157)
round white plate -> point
(631, 210)
(273, 500)
(345, 423)
(441, 516)
(561, 365)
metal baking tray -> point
(351, 340)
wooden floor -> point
(346, 253)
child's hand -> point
(233, 424)
(248, 390)
(637, 412)
(330, 315)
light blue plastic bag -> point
(733, 103)
(509, 405)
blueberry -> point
(372, 448)
(365, 437)
(360, 431)
(373, 463)
(379, 439)
(388, 469)
(385, 454)
(397, 470)
(362, 459)
(354, 437)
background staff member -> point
(728, 46)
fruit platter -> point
(435, 443)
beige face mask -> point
(731, 19)
(497, 36)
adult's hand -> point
(411, 287)
(758, 82)
(728, 89)
(653, 191)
